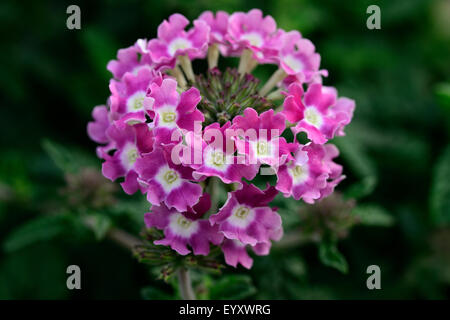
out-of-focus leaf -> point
(360, 164)
(100, 47)
(232, 287)
(36, 272)
(330, 256)
(440, 190)
(373, 215)
(399, 144)
(152, 293)
(66, 159)
(40, 229)
(100, 225)
(14, 178)
(442, 92)
(298, 15)
(132, 209)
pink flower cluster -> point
(153, 110)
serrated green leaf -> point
(39, 229)
(330, 256)
(373, 215)
(232, 287)
(440, 190)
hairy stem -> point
(213, 56)
(185, 285)
(252, 65)
(276, 77)
(245, 61)
(186, 65)
(179, 76)
(275, 95)
(121, 237)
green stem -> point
(185, 285)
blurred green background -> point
(393, 210)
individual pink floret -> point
(167, 182)
(312, 175)
(246, 215)
(129, 143)
(173, 110)
(259, 137)
(185, 228)
(131, 59)
(174, 41)
(314, 112)
(128, 101)
(218, 24)
(218, 159)
(253, 31)
(297, 57)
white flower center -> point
(241, 216)
(262, 148)
(295, 64)
(129, 156)
(254, 38)
(179, 44)
(136, 101)
(216, 159)
(299, 174)
(313, 117)
(168, 178)
(182, 226)
(167, 116)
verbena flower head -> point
(178, 136)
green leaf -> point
(100, 48)
(442, 92)
(232, 287)
(360, 164)
(101, 224)
(68, 160)
(330, 256)
(401, 145)
(440, 190)
(40, 229)
(362, 188)
(373, 215)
